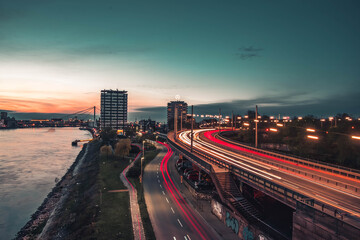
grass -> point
(114, 221)
(149, 232)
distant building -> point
(113, 109)
(3, 115)
(147, 125)
(182, 108)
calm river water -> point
(30, 160)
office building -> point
(182, 108)
(113, 109)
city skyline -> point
(291, 58)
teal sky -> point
(57, 55)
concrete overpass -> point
(325, 199)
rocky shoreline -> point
(45, 214)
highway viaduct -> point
(324, 200)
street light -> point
(310, 130)
(356, 137)
(313, 137)
(141, 173)
(273, 129)
(141, 160)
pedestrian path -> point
(134, 206)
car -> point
(193, 176)
(178, 162)
(187, 170)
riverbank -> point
(47, 220)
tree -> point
(123, 147)
(107, 134)
(106, 150)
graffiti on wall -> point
(232, 223)
(247, 234)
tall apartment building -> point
(113, 109)
(181, 107)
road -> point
(171, 215)
(348, 202)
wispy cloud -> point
(108, 50)
(291, 104)
(249, 52)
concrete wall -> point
(309, 223)
(237, 224)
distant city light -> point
(310, 130)
(300, 118)
(246, 116)
(322, 120)
(331, 118)
(246, 124)
(271, 117)
(279, 124)
(273, 129)
(313, 137)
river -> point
(30, 160)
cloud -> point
(290, 104)
(250, 49)
(249, 52)
(108, 50)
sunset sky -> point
(289, 57)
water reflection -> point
(30, 160)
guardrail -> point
(253, 219)
(279, 192)
(344, 171)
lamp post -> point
(256, 127)
(192, 128)
(141, 161)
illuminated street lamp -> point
(246, 124)
(355, 137)
(313, 137)
(279, 124)
(273, 129)
(310, 130)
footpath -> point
(137, 224)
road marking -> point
(174, 238)
(167, 199)
(188, 236)
(158, 180)
(172, 210)
(185, 238)
(157, 176)
(163, 192)
(180, 223)
(160, 186)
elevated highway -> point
(329, 189)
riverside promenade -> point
(137, 224)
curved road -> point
(171, 215)
(346, 201)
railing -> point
(344, 171)
(283, 194)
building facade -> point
(182, 109)
(114, 105)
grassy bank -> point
(149, 156)
(114, 221)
